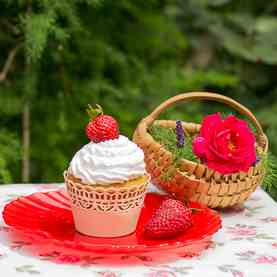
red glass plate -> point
(46, 219)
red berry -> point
(169, 220)
(101, 128)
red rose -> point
(225, 145)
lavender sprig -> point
(257, 160)
(180, 135)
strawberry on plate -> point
(169, 220)
(101, 127)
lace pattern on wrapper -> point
(115, 199)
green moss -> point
(167, 138)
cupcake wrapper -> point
(106, 211)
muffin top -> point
(107, 162)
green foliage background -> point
(128, 56)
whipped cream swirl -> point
(107, 162)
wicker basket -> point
(192, 180)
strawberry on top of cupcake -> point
(109, 157)
(101, 126)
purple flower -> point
(180, 135)
(257, 160)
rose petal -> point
(208, 125)
(199, 147)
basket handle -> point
(205, 96)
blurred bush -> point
(128, 56)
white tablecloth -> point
(246, 246)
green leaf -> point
(250, 48)
(217, 3)
(37, 30)
(270, 179)
(266, 24)
(9, 155)
(242, 21)
(210, 77)
(11, 102)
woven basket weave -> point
(192, 180)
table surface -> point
(246, 246)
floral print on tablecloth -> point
(109, 274)
(247, 232)
(255, 257)
(231, 269)
(246, 246)
(161, 273)
(269, 219)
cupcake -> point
(106, 180)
